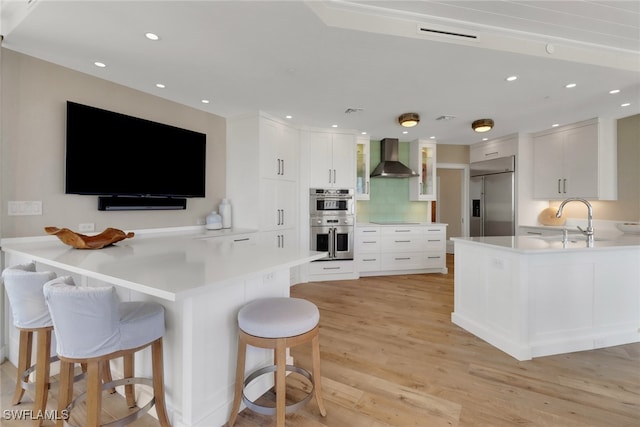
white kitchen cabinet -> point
(422, 159)
(363, 165)
(400, 249)
(262, 177)
(493, 149)
(332, 159)
(578, 160)
(278, 150)
(367, 248)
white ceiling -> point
(314, 60)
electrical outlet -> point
(30, 207)
(86, 226)
(200, 221)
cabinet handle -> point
(564, 185)
(241, 240)
(433, 257)
(331, 268)
(372, 241)
(329, 176)
(369, 231)
(403, 241)
(369, 259)
(367, 187)
(491, 154)
(334, 176)
(434, 240)
(559, 186)
(534, 232)
(282, 168)
(402, 258)
(282, 213)
(402, 231)
(432, 229)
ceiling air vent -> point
(451, 34)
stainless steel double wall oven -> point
(332, 220)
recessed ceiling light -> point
(570, 85)
(205, 101)
(99, 64)
(511, 78)
(160, 85)
(404, 132)
(614, 91)
(334, 126)
(152, 36)
(555, 125)
(626, 104)
(485, 139)
(432, 137)
(363, 133)
(289, 117)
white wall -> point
(33, 105)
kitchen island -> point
(202, 279)
(538, 296)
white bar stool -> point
(23, 285)
(278, 324)
(93, 327)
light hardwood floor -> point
(392, 357)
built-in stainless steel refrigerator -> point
(492, 197)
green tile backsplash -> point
(389, 197)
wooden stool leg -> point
(157, 362)
(281, 370)
(237, 395)
(43, 360)
(94, 393)
(24, 362)
(129, 368)
(317, 379)
(65, 390)
(106, 375)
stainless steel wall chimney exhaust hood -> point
(389, 166)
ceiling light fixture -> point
(614, 91)
(160, 85)
(511, 78)
(152, 36)
(100, 64)
(571, 85)
(409, 120)
(482, 125)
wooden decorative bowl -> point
(80, 241)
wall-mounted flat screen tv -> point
(112, 154)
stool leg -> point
(237, 395)
(106, 376)
(129, 368)
(157, 362)
(24, 362)
(317, 379)
(94, 393)
(281, 370)
(65, 390)
(43, 359)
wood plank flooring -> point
(392, 357)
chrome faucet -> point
(589, 231)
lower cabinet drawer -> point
(400, 243)
(368, 262)
(403, 261)
(331, 267)
(435, 259)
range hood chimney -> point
(389, 166)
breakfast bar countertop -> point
(547, 244)
(168, 265)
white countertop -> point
(546, 244)
(170, 265)
(397, 223)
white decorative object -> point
(214, 221)
(629, 227)
(225, 212)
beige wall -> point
(33, 105)
(627, 207)
(453, 154)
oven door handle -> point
(332, 244)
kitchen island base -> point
(532, 303)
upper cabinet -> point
(494, 149)
(577, 160)
(423, 161)
(363, 165)
(332, 159)
(278, 150)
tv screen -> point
(109, 153)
